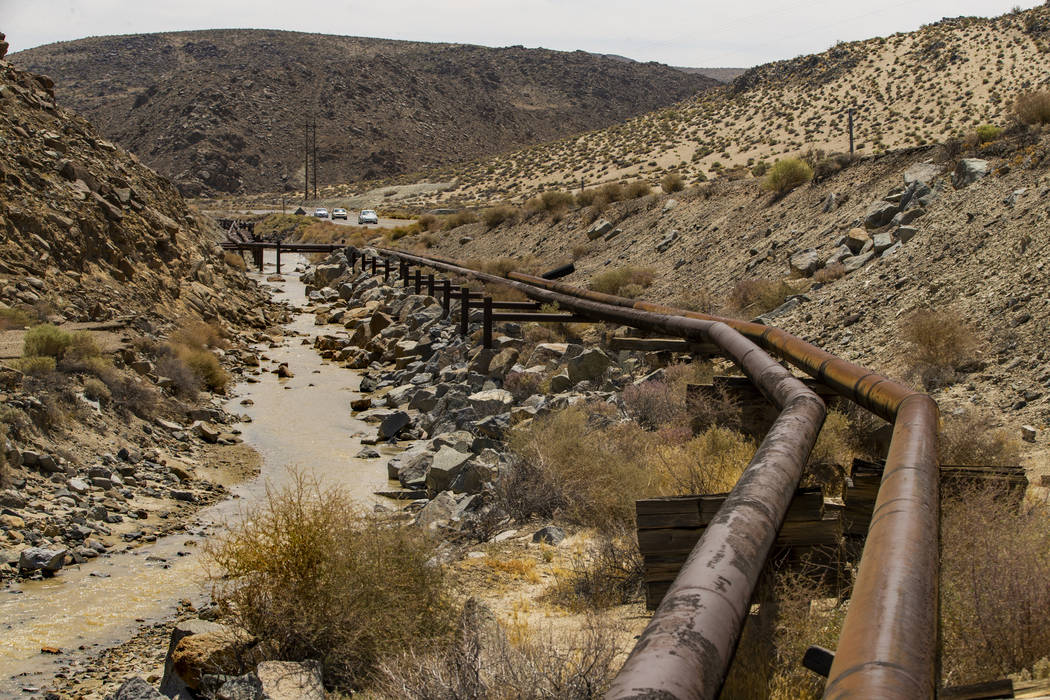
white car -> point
(367, 216)
(339, 213)
(321, 213)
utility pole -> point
(851, 130)
(315, 156)
(306, 163)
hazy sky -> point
(677, 32)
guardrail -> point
(888, 643)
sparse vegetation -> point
(601, 574)
(461, 218)
(986, 133)
(672, 182)
(316, 580)
(13, 318)
(1033, 107)
(46, 340)
(972, 438)
(626, 281)
(756, 296)
(942, 341)
(235, 261)
(495, 216)
(787, 174)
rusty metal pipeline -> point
(686, 649)
(888, 644)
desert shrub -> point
(638, 188)
(654, 404)
(396, 234)
(832, 455)
(13, 318)
(503, 266)
(46, 340)
(585, 198)
(601, 574)
(712, 462)
(494, 216)
(235, 261)
(826, 166)
(5, 469)
(484, 660)
(699, 299)
(615, 280)
(1033, 107)
(185, 381)
(429, 222)
(830, 273)
(522, 384)
(756, 296)
(972, 438)
(787, 174)
(612, 192)
(458, 219)
(672, 182)
(129, 395)
(588, 473)
(205, 365)
(556, 201)
(942, 341)
(314, 579)
(986, 133)
(760, 168)
(198, 335)
(96, 390)
(35, 365)
(995, 602)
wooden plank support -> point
(446, 297)
(278, 257)
(464, 309)
(659, 344)
(522, 317)
(486, 333)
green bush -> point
(672, 182)
(206, 366)
(13, 318)
(317, 580)
(787, 174)
(35, 365)
(494, 216)
(46, 340)
(986, 133)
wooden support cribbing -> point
(446, 297)
(257, 258)
(486, 332)
(519, 317)
(278, 246)
(464, 308)
(618, 343)
(430, 284)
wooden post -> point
(486, 333)
(464, 307)
(353, 258)
(850, 113)
(417, 280)
(403, 271)
(386, 270)
(257, 257)
(430, 284)
(278, 257)
(446, 297)
(373, 266)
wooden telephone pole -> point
(850, 114)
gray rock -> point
(367, 453)
(393, 424)
(856, 239)
(1028, 433)
(922, 172)
(491, 402)
(969, 171)
(882, 241)
(136, 688)
(667, 241)
(906, 217)
(879, 214)
(170, 684)
(905, 233)
(441, 507)
(246, 687)
(472, 478)
(446, 466)
(599, 228)
(837, 255)
(829, 203)
(41, 559)
(588, 365)
(856, 262)
(805, 262)
(551, 534)
(78, 485)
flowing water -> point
(302, 422)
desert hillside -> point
(908, 89)
(223, 110)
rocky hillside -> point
(857, 254)
(907, 90)
(222, 111)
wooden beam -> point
(618, 343)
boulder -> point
(922, 172)
(446, 466)
(879, 214)
(905, 233)
(171, 685)
(472, 478)
(804, 263)
(135, 688)
(560, 382)
(551, 534)
(393, 424)
(599, 228)
(291, 680)
(882, 241)
(666, 242)
(41, 559)
(491, 402)
(219, 651)
(245, 687)
(856, 239)
(206, 431)
(969, 171)
(588, 365)
(1028, 433)
(857, 261)
(441, 507)
(837, 255)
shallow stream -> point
(303, 422)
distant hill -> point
(722, 75)
(222, 111)
(909, 89)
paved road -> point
(351, 219)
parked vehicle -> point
(367, 216)
(339, 213)
(321, 213)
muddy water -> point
(302, 422)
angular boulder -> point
(969, 171)
(588, 365)
(805, 262)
